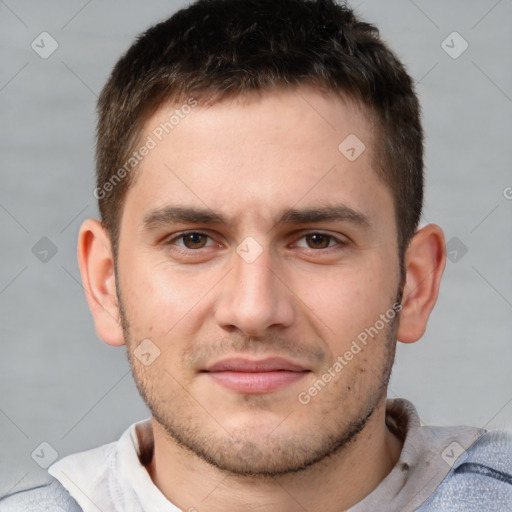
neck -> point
(336, 483)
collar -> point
(428, 455)
(112, 478)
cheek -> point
(158, 296)
(346, 299)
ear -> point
(425, 260)
(96, 261)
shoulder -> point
(494, 447)
(480, 480)
(488, 463)
(47, 497)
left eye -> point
(318, 241)
(192, 240)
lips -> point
(255, 366)
(250, 376)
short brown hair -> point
(220, 48)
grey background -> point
(61, 385)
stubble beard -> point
(243, 453)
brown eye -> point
(194, 240)
(318, 240)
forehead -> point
(258, 154)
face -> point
(261, 264)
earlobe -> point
(425, 260)
(96, 261)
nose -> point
(254, 298)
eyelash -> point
(170, 242)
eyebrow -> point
(337, 213)
(170, 214)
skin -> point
(303, 298)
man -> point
(260, 182)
